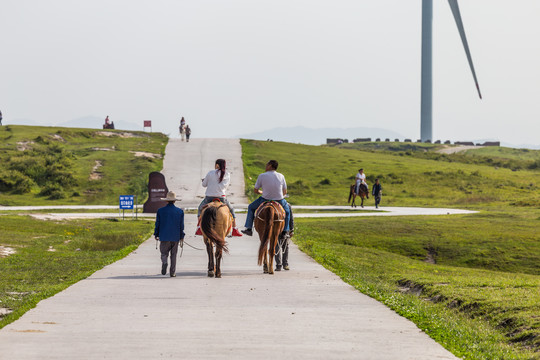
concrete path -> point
(128, 311)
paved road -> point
(128, 311)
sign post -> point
(126, 202)
(147, 123)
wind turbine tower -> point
(426, 108)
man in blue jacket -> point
(169, 231)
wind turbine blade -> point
(457, 16)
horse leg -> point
(362, 204)
(219, 255)
(210, 251)
(265, 262)
(271, 262)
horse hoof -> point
(218, 276)
(210, 274)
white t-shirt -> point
(360, 178)
(212, 184)
(272, 184)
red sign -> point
(147, 123)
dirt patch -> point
(119, 134)
(95, 174)
(29, 331)
(146, 154)
(51, 249)
(103, 149)
(24, 145)
(5, 311)
(457, 148)
(58, 137)
(6, 251)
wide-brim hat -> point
(171, 196)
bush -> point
(15, 181)
(53, 190)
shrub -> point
(15, 181)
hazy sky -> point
(233, 67)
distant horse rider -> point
(274, 188)
(361, 181)
(107, 121)
(0, 118)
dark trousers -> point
(282, 257)
(165, 248)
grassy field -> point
(50, 165)
(472, 282)
(50, 256)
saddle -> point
(277, 206)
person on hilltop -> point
(107, 121)
(188, 133)
(0, 118)
(182, 121)
(377, 193)
(169, 231)
(361, 181)
(274, 188)
(216, 183)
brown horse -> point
(362, 192)
(269, 223)
(216, 222)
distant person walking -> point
(0, 118)
(169, 231)
(377, 193)
(188, 133)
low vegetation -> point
(42, 165)
(472, 282)
(46, 257)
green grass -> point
(81, 247)
(320, 175)
(472, 282)
(55, 168)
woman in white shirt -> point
(216, 183)
(361, 179)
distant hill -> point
(304, 135)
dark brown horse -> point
(362, 192)
(216, 222)
(269, 223)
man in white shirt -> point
(274, 188)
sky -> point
(234, 67)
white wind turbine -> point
(427, 69)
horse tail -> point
(268, 211)
(350, 193)
(208, 222)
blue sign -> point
(126, 202)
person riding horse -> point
(216, 183)
(361, 181)
(274, 188)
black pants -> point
(166, 247)
(282, 257)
